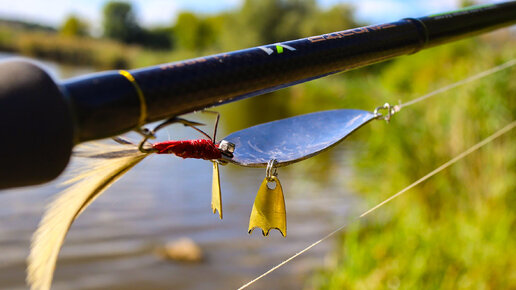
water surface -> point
(112, 244)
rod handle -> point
(36, 125)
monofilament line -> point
(472, 149)
(461, 82)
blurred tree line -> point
(74, 26)
(256, 22)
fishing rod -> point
(278, 143)
(47, 118)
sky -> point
(163, 12)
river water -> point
(113, 243)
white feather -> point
(104, 164)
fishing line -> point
(459, 83)
(432, 173)
(391, 110)
(472, 149)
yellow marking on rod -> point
(141, 97)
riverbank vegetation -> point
(125, 43)
(455, 230)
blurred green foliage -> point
(196, 33)
(269, 21)
(126, 43)
(456, 230)
(102, 54)
(119, 22)
(73, 26)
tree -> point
(337, 18)
(73, 26)
(268, 21)
(120, 22)
(467, 3)
(196, 33)
(158, 38)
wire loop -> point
(271, 170)
(390, 110)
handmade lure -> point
(270, 145)
(198, 149)
(206, 149)
(283, 142)
(105, 165)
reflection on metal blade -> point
(294, 139)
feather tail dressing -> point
(104, 164)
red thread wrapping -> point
(198, 149)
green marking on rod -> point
(279, 48)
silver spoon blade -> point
(294, 139)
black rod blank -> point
(107, 104)
(46, 118)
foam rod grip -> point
(36, 125)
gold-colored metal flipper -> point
(216, 200)
(269, 209)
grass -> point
(101, 54)
(456, 230)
